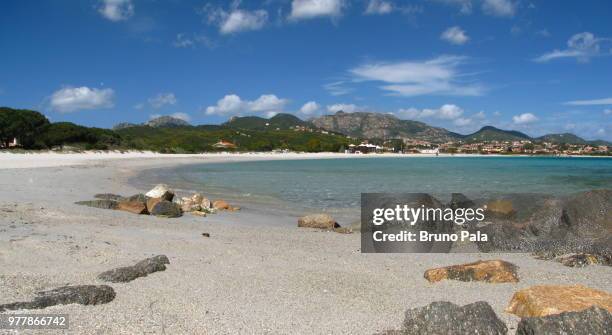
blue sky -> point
(535, 66)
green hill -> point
(278, 122)
(490, 133)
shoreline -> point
(17, 160)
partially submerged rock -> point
(140, 269)
(442, 318)
(321, 221)
(81, 294)
(166, 209)
(537, 301)
(161, 191)
(500, 208)
(491, 271)
(136, 207)
(99, 203)
(589, 321)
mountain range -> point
(369, 125)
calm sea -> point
(338, 183)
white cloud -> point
(411, 78)
(594, 102)
(462, 122)
(236, 20)
(308, 9)
(379, 7)
(347, 108)
(186, 41)
(162, 99)
(455, 35)
(582, 46)
(337, 88)
(71, 99)
(266, 103)
(229, 104)
(524, 118)
(117, 10)
(182, 116)
(232, 104)
(607, 111)
(446, 112)
(465, 6)
(310, 108)
(502, 8)
(479, 115)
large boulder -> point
(166, 209)
(588, 214)
(99, 203)
(537, 301)
(81, 294)
(136, 207)
(161, 191)
(589, 321)
(492, 271)
(321, 221)
(443, 318)
(140, 269)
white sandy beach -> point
(248, 277)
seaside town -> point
(524, 147)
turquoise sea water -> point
(338, 183)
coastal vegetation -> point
(28, 129)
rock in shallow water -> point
(81, 294)
(543, 300)
(590, 321)
(443, 318)
(140, 269)
(492, 271)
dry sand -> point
(249, 277)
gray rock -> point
(459, 200)
(140, 269)
(109, 196)
(590, 321)
(82, 294)
(443, 318)
(587, 214)
(99, 203)
(166, 209)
